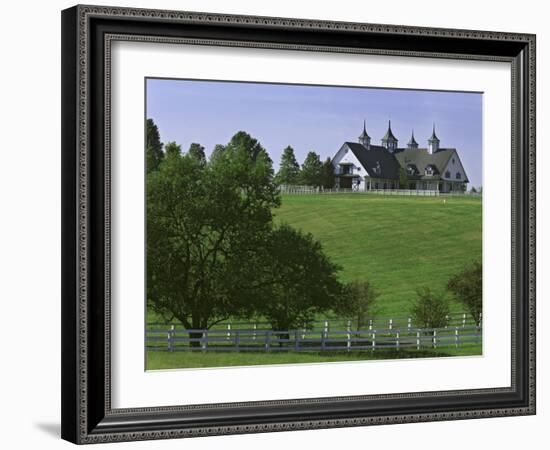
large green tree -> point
(467, 287)
(172, 149)
(205, 224)
(311, 170)
(289, 169)
(153, 146)
(296, 279)
(430, 310)
(357, 302)
(327, 174)
(197, 152)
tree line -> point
(313, 171)
(214, 251)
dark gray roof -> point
(420, 158)
(376, 156)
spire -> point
(389, 135)
(412, 142)
(434, 136)
(389, 140)
(433, 142)
(364, 138)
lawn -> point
(398, 243)
(183, 360)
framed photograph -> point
(280, 224)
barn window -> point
(458, 176)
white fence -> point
(461, 319)
(172, 339)
(304, 190)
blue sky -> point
(318, 118)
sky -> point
(318, 118)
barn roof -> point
(376, 156)
(420, 158)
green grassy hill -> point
(399, 243)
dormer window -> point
(377, 169)
(410, 169)
(429, 170)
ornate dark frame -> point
(87, 31)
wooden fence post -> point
(373, 340)
(409, 324)
(348, 345)
(390, 324)
(267, 340)
(370, 324)
(326, 327)
(446, 320)
(456, 337)
(464, 320)
(204, 342)
(435, 338)
(228, 331)
(237, 339)
(171, 338)
(254, 327)
(418, 340)
(397, 341)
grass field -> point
(398, 243)
(182, 360)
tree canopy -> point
(311, 170)
(357, 302)
(297, 279)
(430, 310)
(197, 152)
(467, 287)
(153, 146)
(204, 222)
(172, 149)
(214, 252)
(327, 177)
(289, 169)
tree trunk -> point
(195, 335)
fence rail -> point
(452, 320)
(305, 190)
(172, 339)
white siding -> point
(345, 155)
(454, 166)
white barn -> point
(362, 166)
